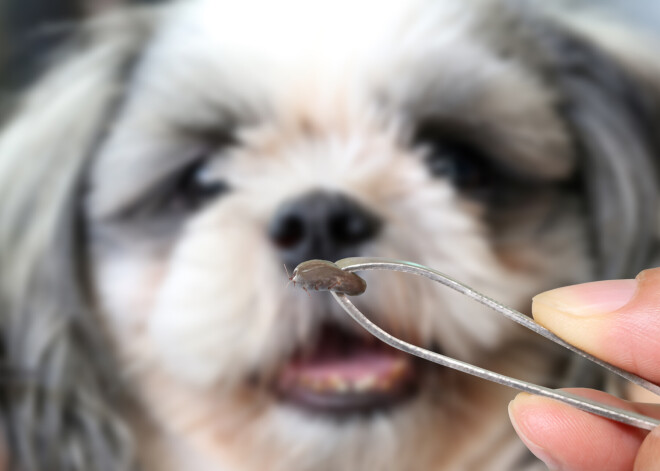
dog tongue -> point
(359, 365)
(341, 364)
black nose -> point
(321, 225)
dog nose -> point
(323, 225)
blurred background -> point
(29, 29)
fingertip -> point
(617, 320)
(587, 299)
(566, 438)
(648, 458)
(519, 409)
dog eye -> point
(459, 162)
(197, 184)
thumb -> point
(617, 321)
(648, 457)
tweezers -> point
(371, 263)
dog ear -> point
(611, 106)
(610, 98)
(58, 397)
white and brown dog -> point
(153, 184)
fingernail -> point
(541, 453)
(600, 297)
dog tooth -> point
(338, 384)
(384, 384)
(398, 369)
(305, 381)
(319, 385)
(311, 383)
(363, 384)
(399, 364)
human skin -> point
(618, 321)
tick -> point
(322, 275)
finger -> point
(618, 321)
(567, 438)
(648, 458)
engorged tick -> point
(322, 275)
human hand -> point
(619, 322)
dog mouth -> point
(343, 372)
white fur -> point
(216, 310)
(324, 95)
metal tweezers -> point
(614, 413)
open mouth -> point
(345, 372)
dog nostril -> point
(323, 225)
(287, 231)
(352, 227)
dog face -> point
(248, 137)
(383, 142)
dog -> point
(155, 181)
